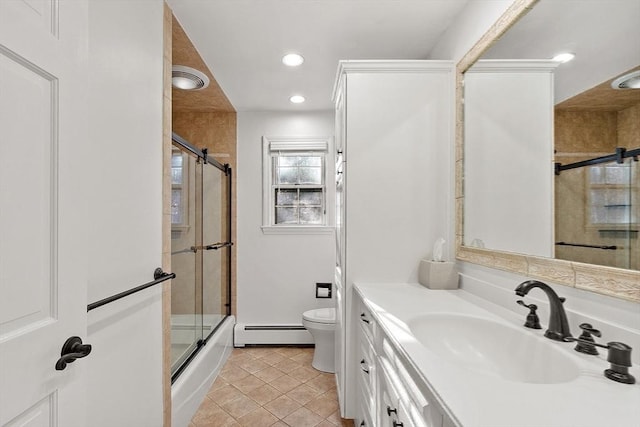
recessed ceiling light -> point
(564, 57)
(292, 60)
(188, 78)
(628, 81)
(297, 99)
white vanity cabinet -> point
(394, 127)
(387, 394)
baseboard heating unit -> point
(244, 334)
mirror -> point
(514, 213)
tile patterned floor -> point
(271, 387)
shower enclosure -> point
(598, 210)
(200, 250)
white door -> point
(43, 216)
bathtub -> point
(190, 388)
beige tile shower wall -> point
(166, 217)
(215, 131)
(629, 127)
(578, 133)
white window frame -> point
(271, 145)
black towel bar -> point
(159, 276)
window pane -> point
(311, 215)
(176, 207)
(286, 215)
(176, 175)
(291, 204)
(596, 174)
(286, 197)
(310, 175)
(310, 161)
(176, 168)
(598, 197)
(618, 215)
(176, 160)
(287, 160)
(311, 197)
(598, 215)
(617, 197)
(617, 175)
(287, 175)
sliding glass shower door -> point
(216, 256)
(598, 213)
(200, 250)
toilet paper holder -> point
(323, 290)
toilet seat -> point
(325, 316)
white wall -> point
(471, 24)
(277, 273)
(125, 246)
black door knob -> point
(72, 349)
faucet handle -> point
(533, 321)
(584, 344)
(588, 330)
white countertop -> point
(474, 399)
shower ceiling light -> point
(628, 81)
(292, 60)
(297, 99)
(188, 78)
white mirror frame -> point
(615, 282)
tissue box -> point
(438, 275)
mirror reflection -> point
(551, 148)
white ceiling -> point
(242, 42)
(604, 35)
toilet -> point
(321, 324)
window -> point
(610, 195)
(294, 181)
(178, 189)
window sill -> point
(310, 229)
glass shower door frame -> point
(200, 247)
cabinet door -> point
(339, 344)
(340, 119)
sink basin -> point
(494, 348)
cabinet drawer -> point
(366, 322)
(402, 401)
(389, 399)
(366, 371)
(364, 418)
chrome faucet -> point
(558, 325)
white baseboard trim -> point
(256, 334)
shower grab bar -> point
(610, 248)
(159, 277)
